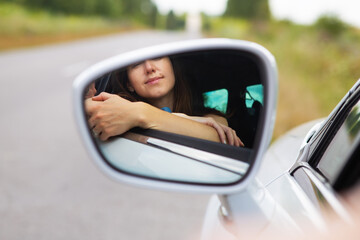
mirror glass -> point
(187, 117)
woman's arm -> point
(231, 136)
(111, 115)
(226, 134)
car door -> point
(329, 163)
(305, 173)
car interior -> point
(232, 75)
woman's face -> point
(152, 79)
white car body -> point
(274, 176)
(300, 201)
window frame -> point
(321, 141)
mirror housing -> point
(266, 63)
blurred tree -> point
(66, 6)
(206, 23)
(108, 8)
(143, 11)
(171, 21)
(131, 7)
(153, 16)
(115, 8)
(253, 9)
(331, 25)
(14, 1)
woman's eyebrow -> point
(157, 58)
(135, 64)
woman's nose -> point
(149, 67)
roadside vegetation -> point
(317, 64)
(22, 27)
(26, 23)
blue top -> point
(166, 109)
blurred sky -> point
(300, 11)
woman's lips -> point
(153, 80)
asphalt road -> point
(49, 188)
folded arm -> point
(111, 115)
(220, 124)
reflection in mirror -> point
(204, 106)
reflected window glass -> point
(254, 93)
(342, 145)
(217, 99)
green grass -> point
(20, 26)
(315, 69)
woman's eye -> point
(135, 65)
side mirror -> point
(227, 79)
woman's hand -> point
(226, 134)
(110, 115)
